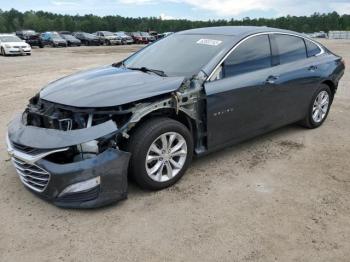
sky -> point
(183, 9)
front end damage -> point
(69, 168)
(76, 157)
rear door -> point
(238, 104)
(296, 76)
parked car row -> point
(66, 38)
(22, 41)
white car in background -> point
(13, 45)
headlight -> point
(81, 186)
(8, 46)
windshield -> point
(56, 37)
(145, 34)
(105, 33)
(89, 35)
(179, 55)
(10, 38)
(29, 32)
(68, 37)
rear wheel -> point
(319, 107)
(161, 151)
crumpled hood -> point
(108, 86)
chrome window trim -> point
(258, 34)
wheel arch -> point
(331, 85)
(171, 113)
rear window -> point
(290, 48)
(312, 48)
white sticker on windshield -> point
(209, 42)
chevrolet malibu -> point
(186, 95)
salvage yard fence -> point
(339, 35)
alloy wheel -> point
(320, 107)
(166, 157)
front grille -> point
(31, 175)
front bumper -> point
(17, 51)
(128, 41)
(75, 43)
(63, 44)
(114, 41)
(33, 42)
(50, 180)
(111, 166)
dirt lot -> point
(284, 196)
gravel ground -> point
(283, 196)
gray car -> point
(186, 95)
(108, 38)
(126, 39)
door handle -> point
(272, 79)
(312, 68)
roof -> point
(232, 30)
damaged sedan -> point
(191, 93)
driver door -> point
(239, 102)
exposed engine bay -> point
(184, 104)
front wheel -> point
(319, 107)
(3, 53)
(161, 151)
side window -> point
(312, 49)
(253, 54)
(290, 48)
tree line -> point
(42, 21)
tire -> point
(3, 51)
(314, 119)
(140, 143)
